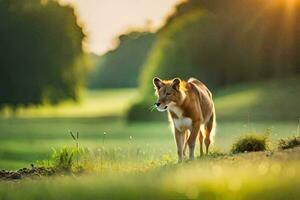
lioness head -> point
(168, 93)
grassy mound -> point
(289, 143)
(250, 143)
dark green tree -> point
(41, 52)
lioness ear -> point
(176, 84)
(157, 83)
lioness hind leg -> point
(192, 139)
(207, 139)
(208, 129)
(201, 142)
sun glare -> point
(290, 9)
(290, 4)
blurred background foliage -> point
(120, 68)
(251, 46)
(223, 43)
(41, 53)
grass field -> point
(105, 103)
(139, 157)
(32, 132)
(250, 176)
(22, 141)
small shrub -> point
(250, 143)
(63, 159)
(289, 142)
(66, 160)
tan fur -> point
(190, 106)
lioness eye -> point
(168, 94)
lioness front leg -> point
(179, 137)
(186, 137)
(192, 139)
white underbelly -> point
(182, 124)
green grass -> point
(251, 176)
(22, 141)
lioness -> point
(191, 112)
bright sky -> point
(106, 19)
